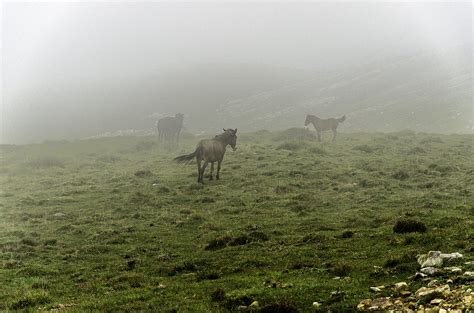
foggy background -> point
(74, 70)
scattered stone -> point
(430, 270)
(438, 259)
(59, 214)
(469, 274)
(316, 304)
(418, 276)
(436, 301)
(453, 269)
(375, 289)
(405, 293)
(253, 304)
(401, 286)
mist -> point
(75, 70)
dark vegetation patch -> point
(143, 173)
(46, 162)
(365, 148)
(233, 302)
(243, 239)
(405, 263)
(185, 267)
(206, 200)
(295, 134)
(109, 158)
(347, 234)
(339, 269)
(431, 139)
(145, 146)
(218, 295)
(218, 243)
(409, 226)
(281, 306)
(416, 150)
(127, 280)
(30, 300)
(291, 146)
(401, 175)
(317, 150)
(207, 275)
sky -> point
(54, 45)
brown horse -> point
(170, 127)
(323, 125)
(211, 150)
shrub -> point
(409, 226)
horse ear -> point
(224, 129)
(235, 131)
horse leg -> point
(199, 170)
(334, 133)
(203, 169)
(212, 170)
(218, 169)
(319, 135)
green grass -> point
(114, 225)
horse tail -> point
(341, 119)
(186, 158)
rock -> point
(316, 304)
(375, 289)
(59, 214)
(427, 294)
(453, 269)
(430, 271)
(405, 293)
(436, 301)
(467, 300)
(469, 274)
(364, 304)
(242, 308)
(441, 310)
(438, 259)
(418, 275)
(433, 283)
(401, 286)
(380, 303)
(253, 304)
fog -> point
(75, 70)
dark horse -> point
(170, 127)
(323, 125)
(211, 150)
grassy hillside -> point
(113, 224)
